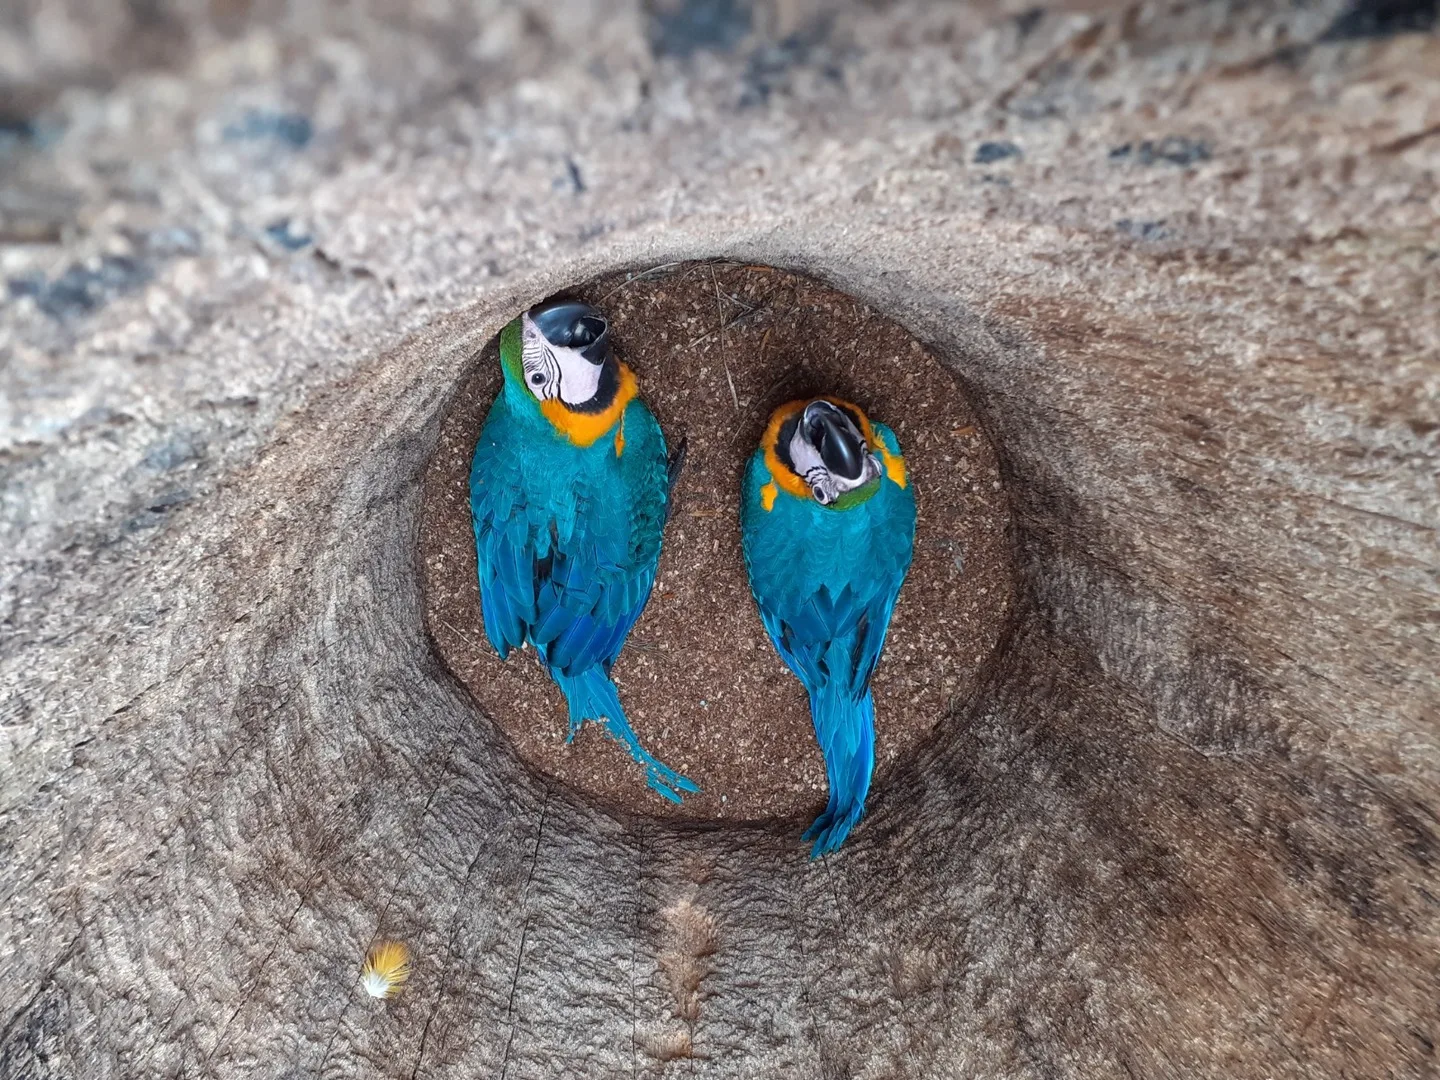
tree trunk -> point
(1182, 258)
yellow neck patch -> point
(792, 484)
(583, 429)
(894, 463)
(779, 474)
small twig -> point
(737, 319)
(643, 274)
(720, 320)
(776, 385)
(1405, 142)
(719, 304)
(454, 629)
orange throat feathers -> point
(584, 428)
(783, 479)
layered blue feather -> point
(825, 582)
(567, 540)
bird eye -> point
(537, 378)
(819, 494)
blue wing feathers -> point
(567, 541)
(506, 588)
(554, 615)
(833, 641)
(575, 597)
(825, 583)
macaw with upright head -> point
(827, 520)
(569, 491)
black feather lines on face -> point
(579, 328)
(539, 369)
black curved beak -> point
(840, 446)
(573, 325)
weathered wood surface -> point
(1189, 827)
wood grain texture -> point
(1187, 826)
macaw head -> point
(564, 355)
(827, 450)
(558, 363)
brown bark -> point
(1187, 826)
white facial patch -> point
(825, 486)
(555, 371)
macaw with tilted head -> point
(827, 520)
(569, 491)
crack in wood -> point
(66, 955)
(374, 936)
(249, 991)
(451, 950)
(635, 949)
(524, 934)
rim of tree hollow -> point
(718, 345)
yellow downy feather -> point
(386, 968)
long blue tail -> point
(592, 696)
(845, 729)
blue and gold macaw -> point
(828, 525)
(569, 491)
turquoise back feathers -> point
(570, 490)
(569, 487)
(827, 528)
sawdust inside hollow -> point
(717, 347)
